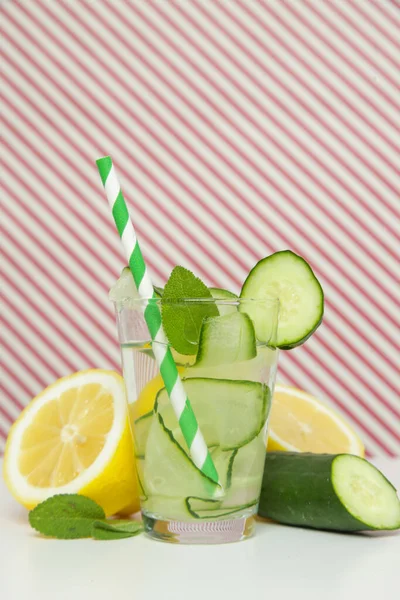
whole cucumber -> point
(339, 492)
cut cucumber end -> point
(366, 494)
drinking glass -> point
(228, 375)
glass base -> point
(201, 532)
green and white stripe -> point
(176, 391)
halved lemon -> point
(301, 423)
(74, 437)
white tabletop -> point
(278, 563)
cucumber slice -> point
(168, 470)
(141, 428)
(220, 294)
(229, 413)
(226, 340)
(249, 460)
(176, 508)
(340, 492)
(213, 509)
(185, 509)
(246, 472)
(165, 507)
(290, 278)
(256, 369)
(223, 462)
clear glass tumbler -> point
(228, 371)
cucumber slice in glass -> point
(166, 507)
(223, 461)
(168, 470)
(200, 508)
(230, 297)
(229, 413)
(225, 340)
(246, 472)
(289, 277)
(185, 509)
(255, 369)
(141, 428)
(175, 507)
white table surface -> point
(278, 563)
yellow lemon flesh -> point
(147, 397)
(301, 423)
(75, 437)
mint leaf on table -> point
(182, 321)
(66, 516)
(71, 516)
(116, 529)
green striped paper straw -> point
(179, 400)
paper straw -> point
(179, 400)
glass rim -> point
(272, 301)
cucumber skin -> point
(302, 340)
(297, 490)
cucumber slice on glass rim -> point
(289, 277)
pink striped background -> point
(238, 128)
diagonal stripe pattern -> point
(174, 386)
(240, 128)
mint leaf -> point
(69, 516)
(182, 322)
(66, 516)
(116, 529)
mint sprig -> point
(72, 516)
(182, 320)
